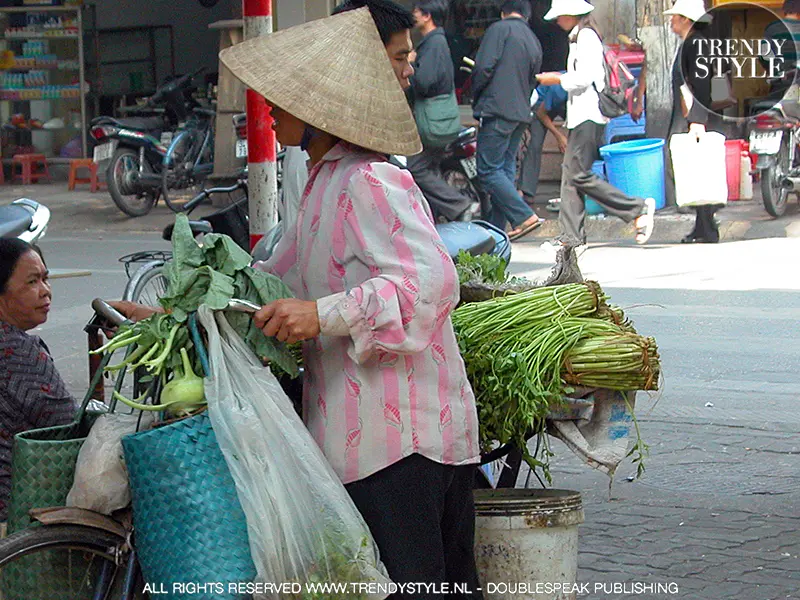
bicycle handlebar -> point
(205, 194)
(108, 312)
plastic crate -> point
(624, 128)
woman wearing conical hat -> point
(385, 393)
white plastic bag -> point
(101, 480)
(303, 526)
(699, 166)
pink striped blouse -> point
(385, 379)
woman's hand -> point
(549, 78)
(289, 320)
(134, 311)
(697, 129)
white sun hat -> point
(573, 8)
(694, 10)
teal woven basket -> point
(189, 525)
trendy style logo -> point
(737, 60)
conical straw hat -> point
(335, 75)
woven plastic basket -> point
(188, 521)
(42, 471)
(43, 462)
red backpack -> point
(616, 98)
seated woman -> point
(32, 393)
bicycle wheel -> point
(179, 184)
(147, 285)
(63, 562)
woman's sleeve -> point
(414, 285)
(35, 385)
(699, 86)
(588, 63)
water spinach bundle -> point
(523, 352)
(210, 274)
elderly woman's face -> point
(26, 300)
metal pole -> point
(262, 176)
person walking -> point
(584, 79)
(549, 102)
(433, 97)
(503, 79)
(691, 95)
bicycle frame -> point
(198, 168)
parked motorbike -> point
(24, 219)
(140, 149)
(774, 139)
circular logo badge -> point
(737, 60)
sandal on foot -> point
(645, 230)
(524, 229)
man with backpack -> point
(590, 96)
(503, 79)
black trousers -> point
(705, 225)
(422, 516)
(578, 180)
(445, 200)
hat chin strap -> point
(308, 134)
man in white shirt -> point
(584, 79)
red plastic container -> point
(628, 57)
(733, 153)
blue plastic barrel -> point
(637, 168)
(592, 207)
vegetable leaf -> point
(226, 256)
(212, 275)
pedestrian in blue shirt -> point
(549, 102)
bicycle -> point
(87, 554)
(189, 158)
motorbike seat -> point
(14, 220)
(145, 124)
(470, 237)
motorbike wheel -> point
(773, 194)
(120, 177)
(463, 184)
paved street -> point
(718, 510)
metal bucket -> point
(526, 543)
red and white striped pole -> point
(261, 148)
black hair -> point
(437, 9)
(791, 7)
(11, 250)
(389, 17)
(522, 7)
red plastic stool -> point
(84, 163)
(29, 172)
